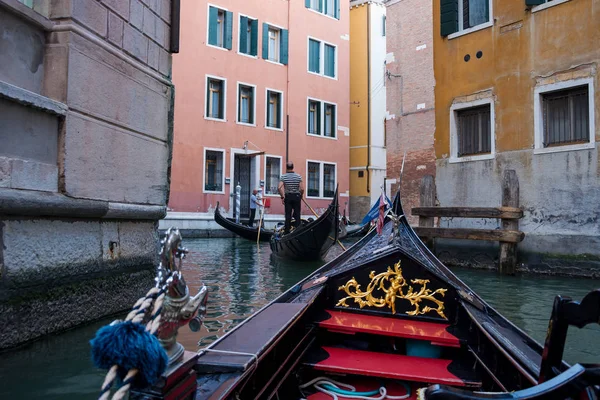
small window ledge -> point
(321, 136)
(547, 5)
(246, 124)
(571, 147)
(27, 13)
(274, 129)
(274, 62)
(454, 160)
(215, 119)
(471, 30)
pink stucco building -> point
(245, 69)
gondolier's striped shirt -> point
(291, 182)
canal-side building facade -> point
(517, 88)
(367, 104)
(260, 83)
(410, 119)
(85, 117)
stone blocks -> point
(115, 29)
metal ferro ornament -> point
(178, 307)
(395, 290)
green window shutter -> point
(213, 14)
(254, 38)
(228, 29)
(319, 118)
(449, 17)
(283, 47)
(337, 9)
(279, 123)
(314, 62)
(243, 34)
(534, 2)
(307, 3)
(320, 5)
(265, 41)
(330, 61)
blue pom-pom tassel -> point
(129, 345)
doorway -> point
(242, 174)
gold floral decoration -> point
(395, 290)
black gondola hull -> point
(250, 233)
(310, 241)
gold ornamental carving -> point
(393, 286)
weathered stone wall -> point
(86, 130)
(410, 96)
(560, 221)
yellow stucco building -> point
(367, 104)
(517, 88)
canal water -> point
(241, 278)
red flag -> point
(381, 218)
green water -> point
(241, 279)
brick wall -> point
(410, 96)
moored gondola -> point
(358, 230)
(385, 319)
(245, 231)
(311, 240)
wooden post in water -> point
(510, 198)
(427, 199)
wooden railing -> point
(509, 213)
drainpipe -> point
(369, 97)
(287, 93)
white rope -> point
(138, 314)
(319, 383)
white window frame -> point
(321, 179)
(322, 119)
(222, 151)
(237, 104)
(476, 28)
(267, 90)
(206, 87)
(547, 4)
(265, 173)
(538, 117)
(277, 44)
(240, 15)
(322, 44)
(208, 6)
(322, 13)
(280, 29)
(454, 158)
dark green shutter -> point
(254, 38)
(228, 29)
(213, 15)
(320, 5)
(383, 22)
(265, 41)
(448, 17)
(329, 61)
(244, 34)
(268, 122)
(314, 62)
(337, 8)
(307, 3)
(283, 47)
(221, 99)
(207, 114)
(279, 123)
(318, 117)
(534, 2)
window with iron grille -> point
(566, 116)
(474, 131)
(314, 179)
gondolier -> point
(291, 190)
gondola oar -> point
(260, 210)
(317, 215)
